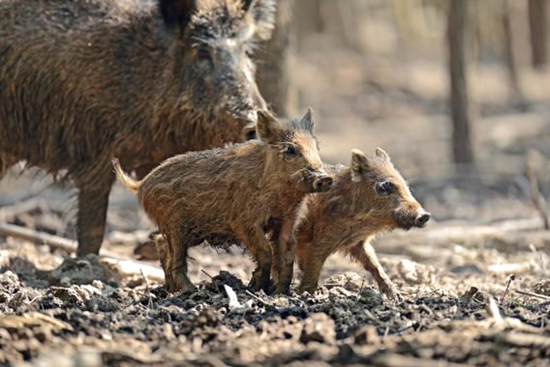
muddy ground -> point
(484, 229)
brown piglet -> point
(366, 199)
(231, 195)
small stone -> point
(98, 284)
(318, 328)
(366, 335)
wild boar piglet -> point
(367, 198)
(231, 195)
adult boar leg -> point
(260, 250)
(364, 254)
(92, 214)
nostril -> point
(327, 181)
(423, 219)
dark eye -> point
(251, 134)
(289, 150)
(203, 54)
(384, 188)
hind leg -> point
(364, 254)
(164, 254)
(254, 239)
(92, 215)
(175, 264)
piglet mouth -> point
(315, 181)
(322, 183)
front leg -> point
(92, 215)
(284, 257)
(364, 254)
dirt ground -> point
(452, 274)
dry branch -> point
(536, 295)
(126, 267)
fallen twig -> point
(208, 275)
(510, 279)
(257, 298)
(536, 295)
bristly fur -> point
(231, 195)
(349, 216)
(84, 81)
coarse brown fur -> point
(84, 81)
(231, 195)
(346, 218)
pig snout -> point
(322, 183)
(422, 219)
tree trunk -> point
(459, 103)
(538, 25)
(510, 54)
(273, 73)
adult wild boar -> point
(83, 81)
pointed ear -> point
(307, 121)
(177, 12)
(359, 164)
(381, 153)
(267, 127)
(262, 12)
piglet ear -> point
(381, 153)
(267, 127)
(359, 164)
(262, 13)
(177, 12)
(307, 121)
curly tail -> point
(124, 178)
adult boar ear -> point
(359, 164)
(267, 127)
(262, 12)
(307, 121)
(381, 153)
(177, 12)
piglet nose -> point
(422, 219)
(322, 183)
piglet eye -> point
(289, 150)
(384, 188)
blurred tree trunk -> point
(538, 25)
(274, 66)
(459, 103)
(509, 49)
(309, 19)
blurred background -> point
(458, 93)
